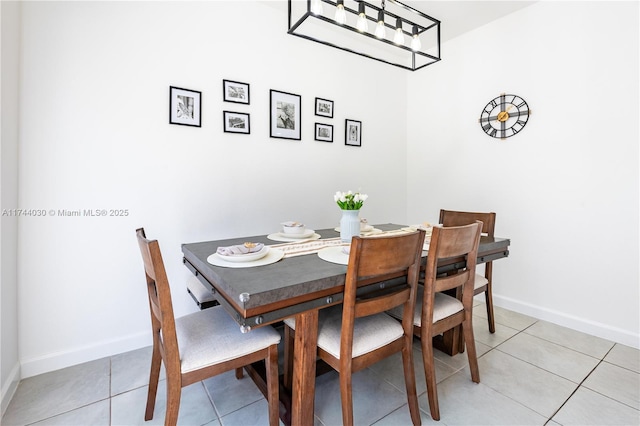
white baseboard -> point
(9, 388)
(604, 331)
(57, 360)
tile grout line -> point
(600, 361)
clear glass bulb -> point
(316, 7)
(362, 24)
(341, 15)
(380, 29)
(415, 42)
(399, 37)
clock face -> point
(504, 116)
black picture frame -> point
(324, 107)
(285, 115)
(352, 132)
(235, 91)
(236, 122)
(185, 107)
(323, 132)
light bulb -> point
(380, 31)
(399, 37)
(415, 42)
(316, 7)
(341, 15)
(362, 25)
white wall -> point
(10, 41)
(95, 135)
(565, 189)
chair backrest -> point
(458, 218)
(374, 260)
(446, 243)
(160, 305)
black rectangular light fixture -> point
(389, 31)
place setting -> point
(294, 232)
(336, 254)
(245, 255)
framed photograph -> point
(236, 122)
(324, 132)
(285, 115)
(234, 91)
(324, 107)
(184, 106)
(353, 132)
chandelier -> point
(390, 32)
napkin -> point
(245, 248)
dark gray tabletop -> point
(268, 293)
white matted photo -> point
(324, 132)
(285, 115)
(184, 106)
(353, 132)
(236, 122)
(324, 107)
(234, 91)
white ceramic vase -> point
(349, 225)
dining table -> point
(298, 276)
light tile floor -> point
(532, 373)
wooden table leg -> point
(304, 368)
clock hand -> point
(504, 115)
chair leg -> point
(154, 376)
(273, 396)
(430, 376)
(410, 381)
(488, 297)
(174, 390)
(467, 330)
(289, 338)
(346, 397)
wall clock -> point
(504, 116)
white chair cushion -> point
(369, 333)
(480, 281)
(444, 306)
(211, 336)
(199, 291)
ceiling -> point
(459, 17)
(456, 17)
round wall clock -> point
(504, 116)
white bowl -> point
(293, 227)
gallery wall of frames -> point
(285, 113)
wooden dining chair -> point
(199, 345)
(359, 333)
(483, 283)
(437, 312)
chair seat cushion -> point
(480, 281)
(369, 333)
(444, 306)
(211, 336)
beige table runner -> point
(311, 247)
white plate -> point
(368, 230)
(334, 254)
(279, 236)
(249, 257)
(306, 234)
(272, 256)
